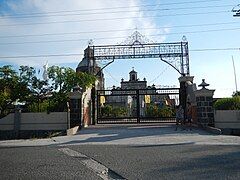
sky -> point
(48, 27)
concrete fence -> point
(227, 119)
(35, 121)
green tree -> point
(26, 86)
(7, 72)
(64, 79)
(11, 89)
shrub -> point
(228, 103)
(110, 111)
(154, 110)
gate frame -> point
(138, 118)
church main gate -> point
(137, 105)
(175, 54)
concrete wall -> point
(36, 121)
(7, 123)
(227, 119)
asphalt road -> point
(131, 162)
(151, 152)
(40, 163)
(168, 162)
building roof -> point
(131, 72)
(83, 63)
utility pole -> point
(234, 70)
(236, 10)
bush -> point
(228, 104)
(154, 110)
(110, 111)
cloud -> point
(147, 26)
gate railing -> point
(137, 105)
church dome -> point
(83, 63)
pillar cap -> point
(77, 88)
(185, 78)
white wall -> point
(227, 119)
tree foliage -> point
(64, 79)
(25, 85)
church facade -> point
(135, 94)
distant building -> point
(125, 96)
(134, 82)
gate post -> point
(75, 107)
(183, 91)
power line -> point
(78, 54)
(111, 75)
(117, 30)
(123, 7)
(39, 56)
(164, 70)
(117, 18)
(107, 38)
(215, 49)
(115, 12)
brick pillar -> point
(204, 99)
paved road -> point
(132, 152)
(40, 163)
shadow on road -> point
(97, 134)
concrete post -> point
(17, 121)
(75, 107)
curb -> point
(213, 130)
(73, 131)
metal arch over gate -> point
(175, 54)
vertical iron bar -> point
(187, 58)
(93, 94)
(182, 65)
(98, 108)
(138, 106)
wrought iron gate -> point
(137, 105)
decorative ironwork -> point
(136, 39)
(175, 54)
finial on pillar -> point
(203, 84)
